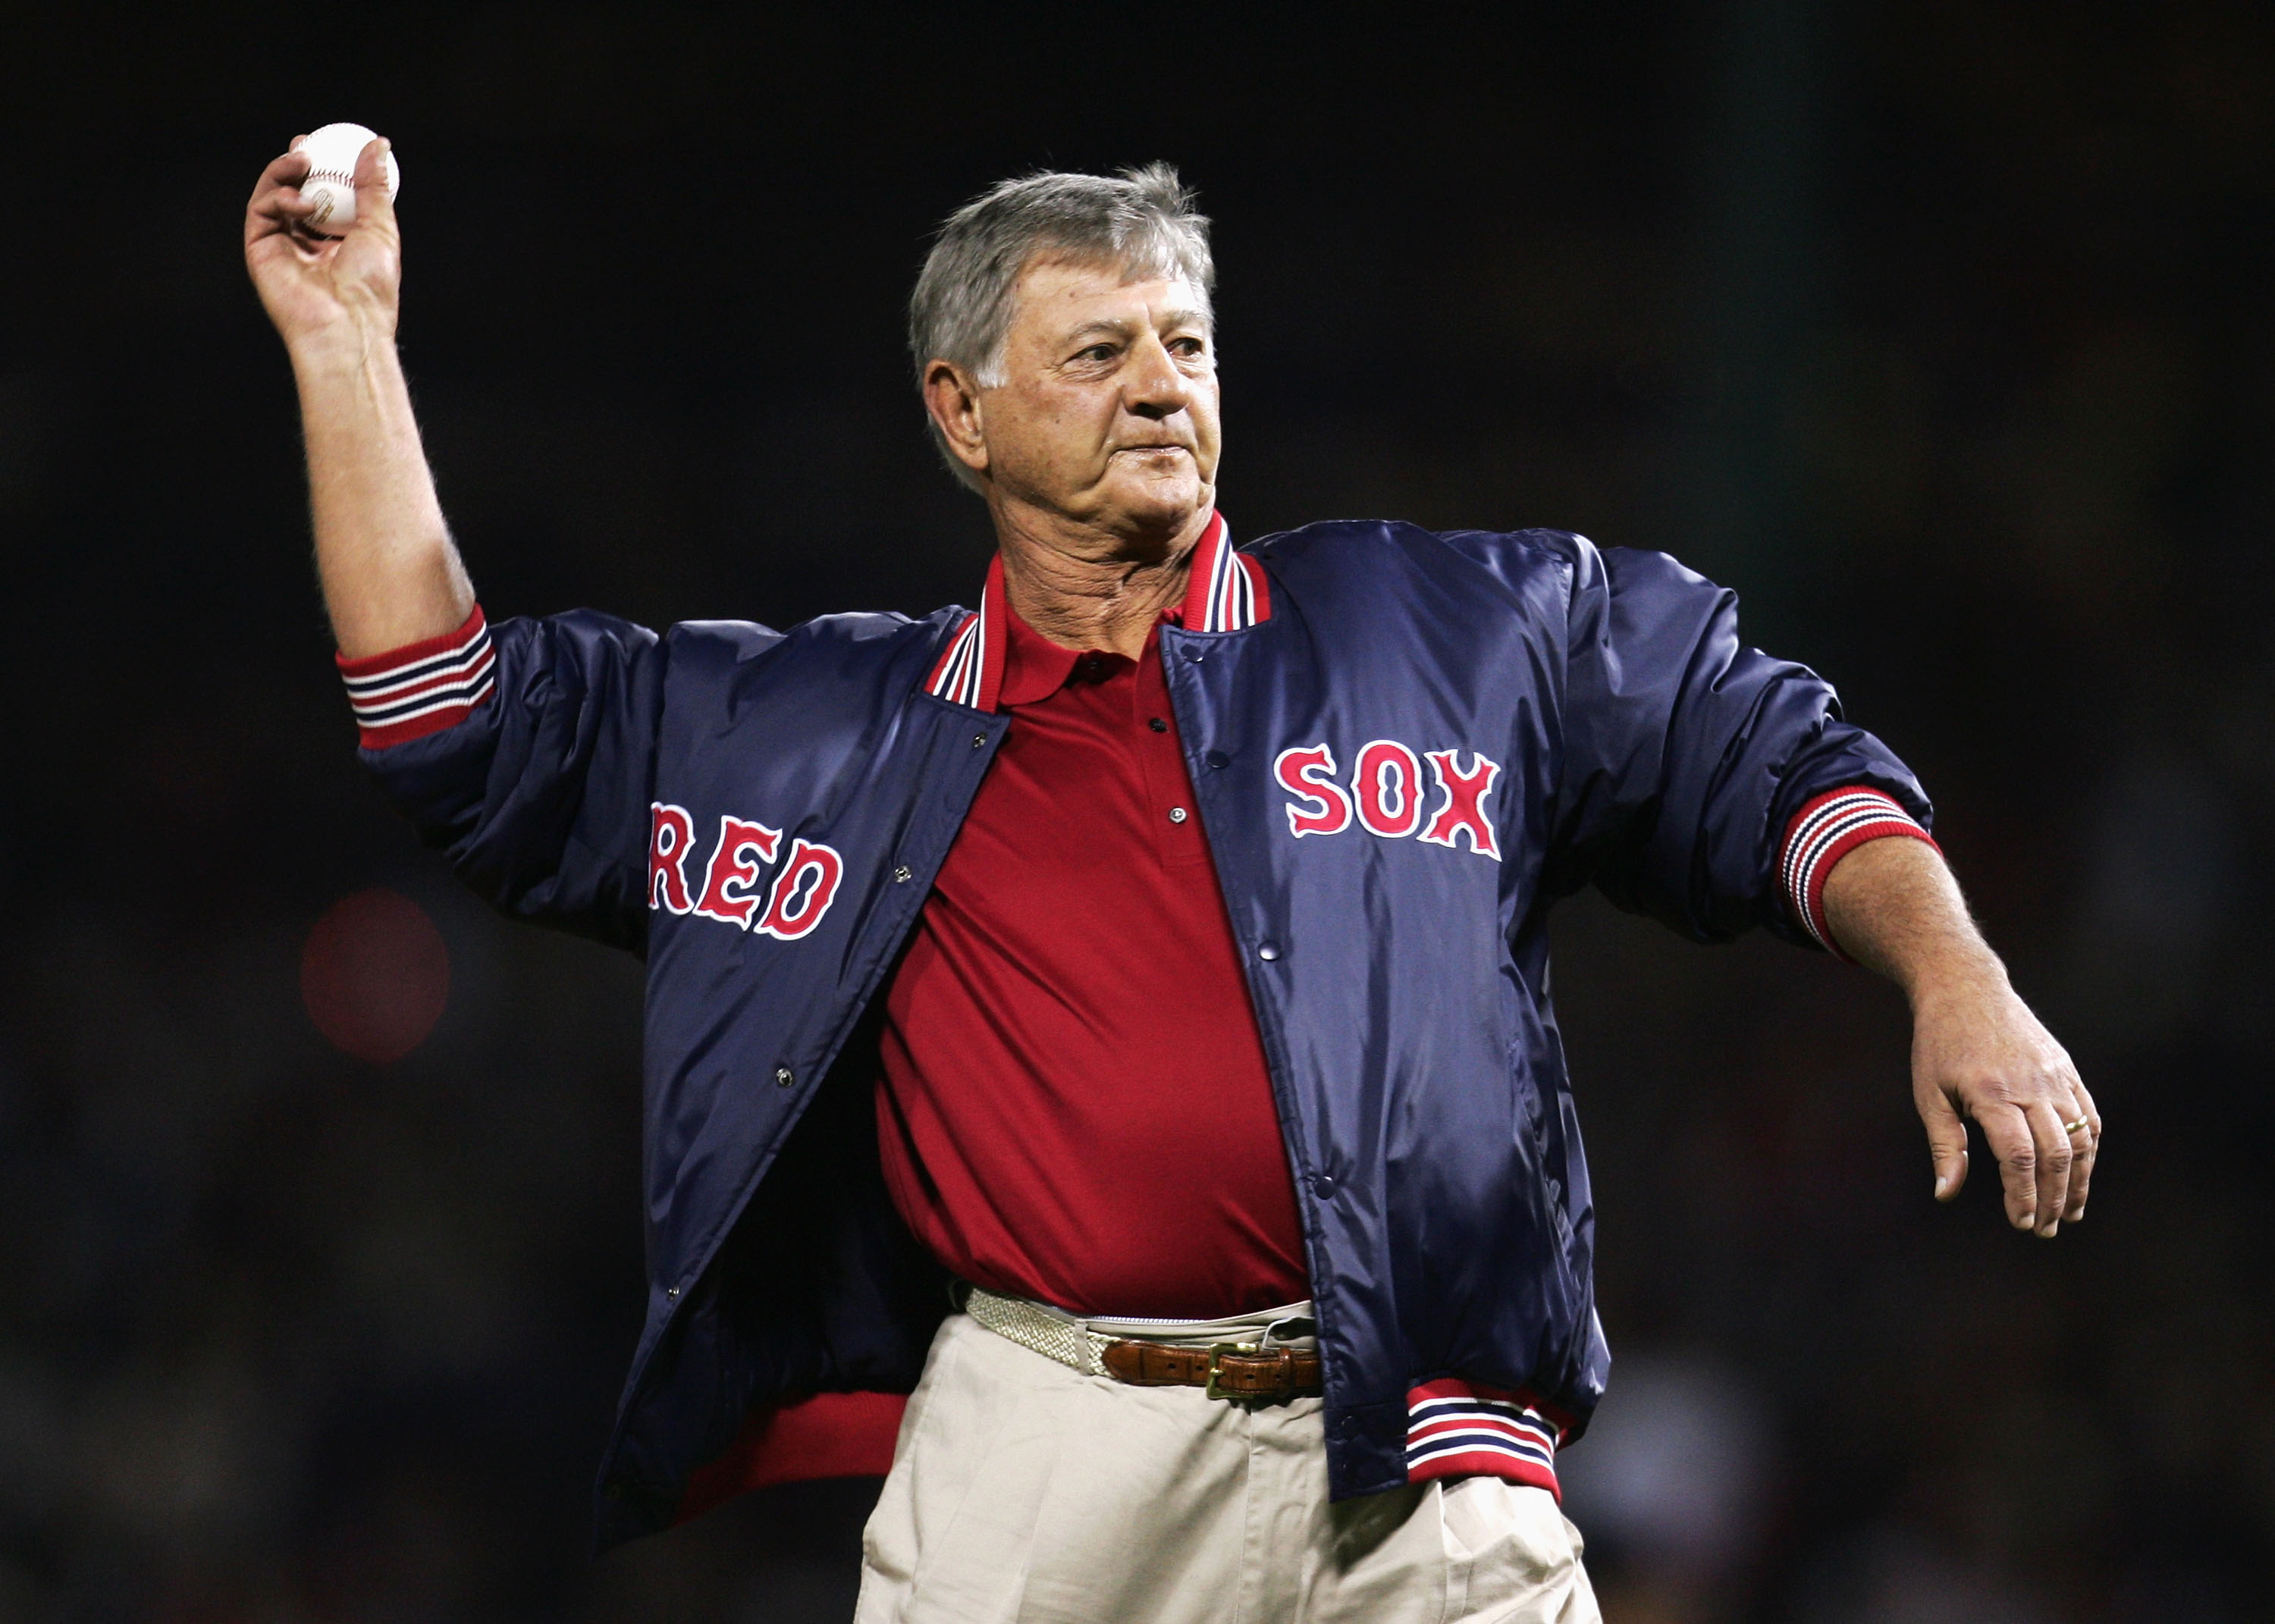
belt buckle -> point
(1217, 1351)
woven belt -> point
(1256, 1366)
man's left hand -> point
(1976, 1049)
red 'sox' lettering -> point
(1387, 783)
(803, 895)
(670, 832)
(1463, 810)
(1308, 772)
(730, 889)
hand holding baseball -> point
(318, 287)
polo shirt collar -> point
(1226, 592)
(1034, 667)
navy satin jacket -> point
(1404, 745)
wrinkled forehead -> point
(1056, 291)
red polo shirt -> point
(1075, 1107)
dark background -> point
(1940, 331)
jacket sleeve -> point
(1703, 781)
(527, 752)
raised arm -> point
(391, 574)
(1976, 1049)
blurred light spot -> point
(1672, 1471)
(375, 975)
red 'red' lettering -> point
(1308, 772)
(1464, 808)
(670, 832)
(803, 895)
(743, 848)
(1387, 785)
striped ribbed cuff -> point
(1824, 832)
(1456, 1428)
(423, 688)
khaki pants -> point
(1022, 1490)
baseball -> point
(332, 152)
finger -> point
(284, 203)
(288, 168)
(1947, 1143)
(2056, 1155)
(266, 212)
(374, 206)
(2008, 1132)
(283, 212)
(2088, 1140)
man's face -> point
(1107, 411)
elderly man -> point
(1122, 1007)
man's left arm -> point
(1977, 1051)
(1706, 783)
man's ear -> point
(952, 397)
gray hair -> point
(1141, 221)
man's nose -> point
(1152, 387)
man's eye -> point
(1188, 346)
(1096, 352)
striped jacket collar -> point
(1226, 592)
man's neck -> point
(1087, 588)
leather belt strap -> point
(1226, 1370)
(1241, 1358)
